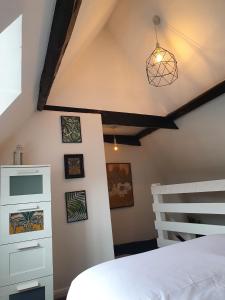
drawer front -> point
(24, 222)
(20, 185)
(37, 289)
(25, 261)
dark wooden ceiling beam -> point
(204, 98)
(121, 118)
(122, 139)
(198, 101)
(137, 120)
(64, 18)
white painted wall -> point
(135, 223)
(76, 246)
(36, 24)
(194, 152)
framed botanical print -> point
(120, 185)
(71, 129)
(76, 206)
(74, 165)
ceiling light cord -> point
(156, 36)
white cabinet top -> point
(24, 166)
(24, 184)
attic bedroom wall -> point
(194, 152)
(136, 223)
(102, 77)
(76, 246)
(36, 24)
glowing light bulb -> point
(158, 57)
(115, 147)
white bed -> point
(192, 270)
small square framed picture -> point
(71, 129)
(74, 166)
(76, 206)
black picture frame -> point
(76, 206)
(71, 129)
(74, 166)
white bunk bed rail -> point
(160, 209)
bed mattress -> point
(192, 270)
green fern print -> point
(71, 129)
(76, 206)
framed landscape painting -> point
(120, 185)
(76, 206)
(71, 129)
(74, 165)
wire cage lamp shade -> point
(161, 65)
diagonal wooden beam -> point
(138, 120)
(121, 118)
(198, 101)
(64, 18)
(131, 140)
(204, 98)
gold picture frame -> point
(120, 185)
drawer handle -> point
(28, 208)
(28, 246)
(27, 286)
(27, 172)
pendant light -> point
(161, 65)
(115, 146)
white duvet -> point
(193, 270)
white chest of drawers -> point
(26, 270)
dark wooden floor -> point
(135, 247)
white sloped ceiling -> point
(110, 74)
(104, 64)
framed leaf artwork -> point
(76, 206)
(120, 185)
(71, 129)
(74, 165)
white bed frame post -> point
(162, 234)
